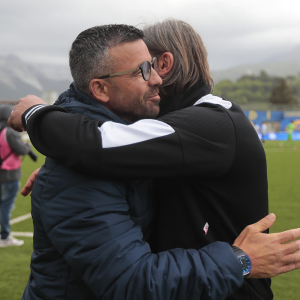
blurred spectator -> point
(257, 128)
(264, 130)
(11, 147)
(290, 130)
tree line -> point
(261, 88)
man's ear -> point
(165, 63)
(99, 90)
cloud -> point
(233, 31)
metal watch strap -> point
(239, 252)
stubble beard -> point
(134, 108)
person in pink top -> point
(11, 147)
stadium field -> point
(284, 195)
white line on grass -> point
(26, 234)
(19, 219)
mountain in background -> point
(19, 78)
(281, 65)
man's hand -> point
(271, 254)
(15, 119)
(29, 183)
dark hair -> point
(190, 56)
(89, 56)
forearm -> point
(130, 271)
(145, 149)
(209, 273)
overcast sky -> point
(234, 31)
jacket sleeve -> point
(169, 147)
(16, 143)
(100, 243)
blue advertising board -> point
(282, 117)
(279, 136)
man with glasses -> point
(84, 237)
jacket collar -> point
(73, 97)
(186, 99)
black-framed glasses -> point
(145, 69)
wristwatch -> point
(244, 259)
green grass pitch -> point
(284, 196)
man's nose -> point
(155, 79)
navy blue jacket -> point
(87, 246)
